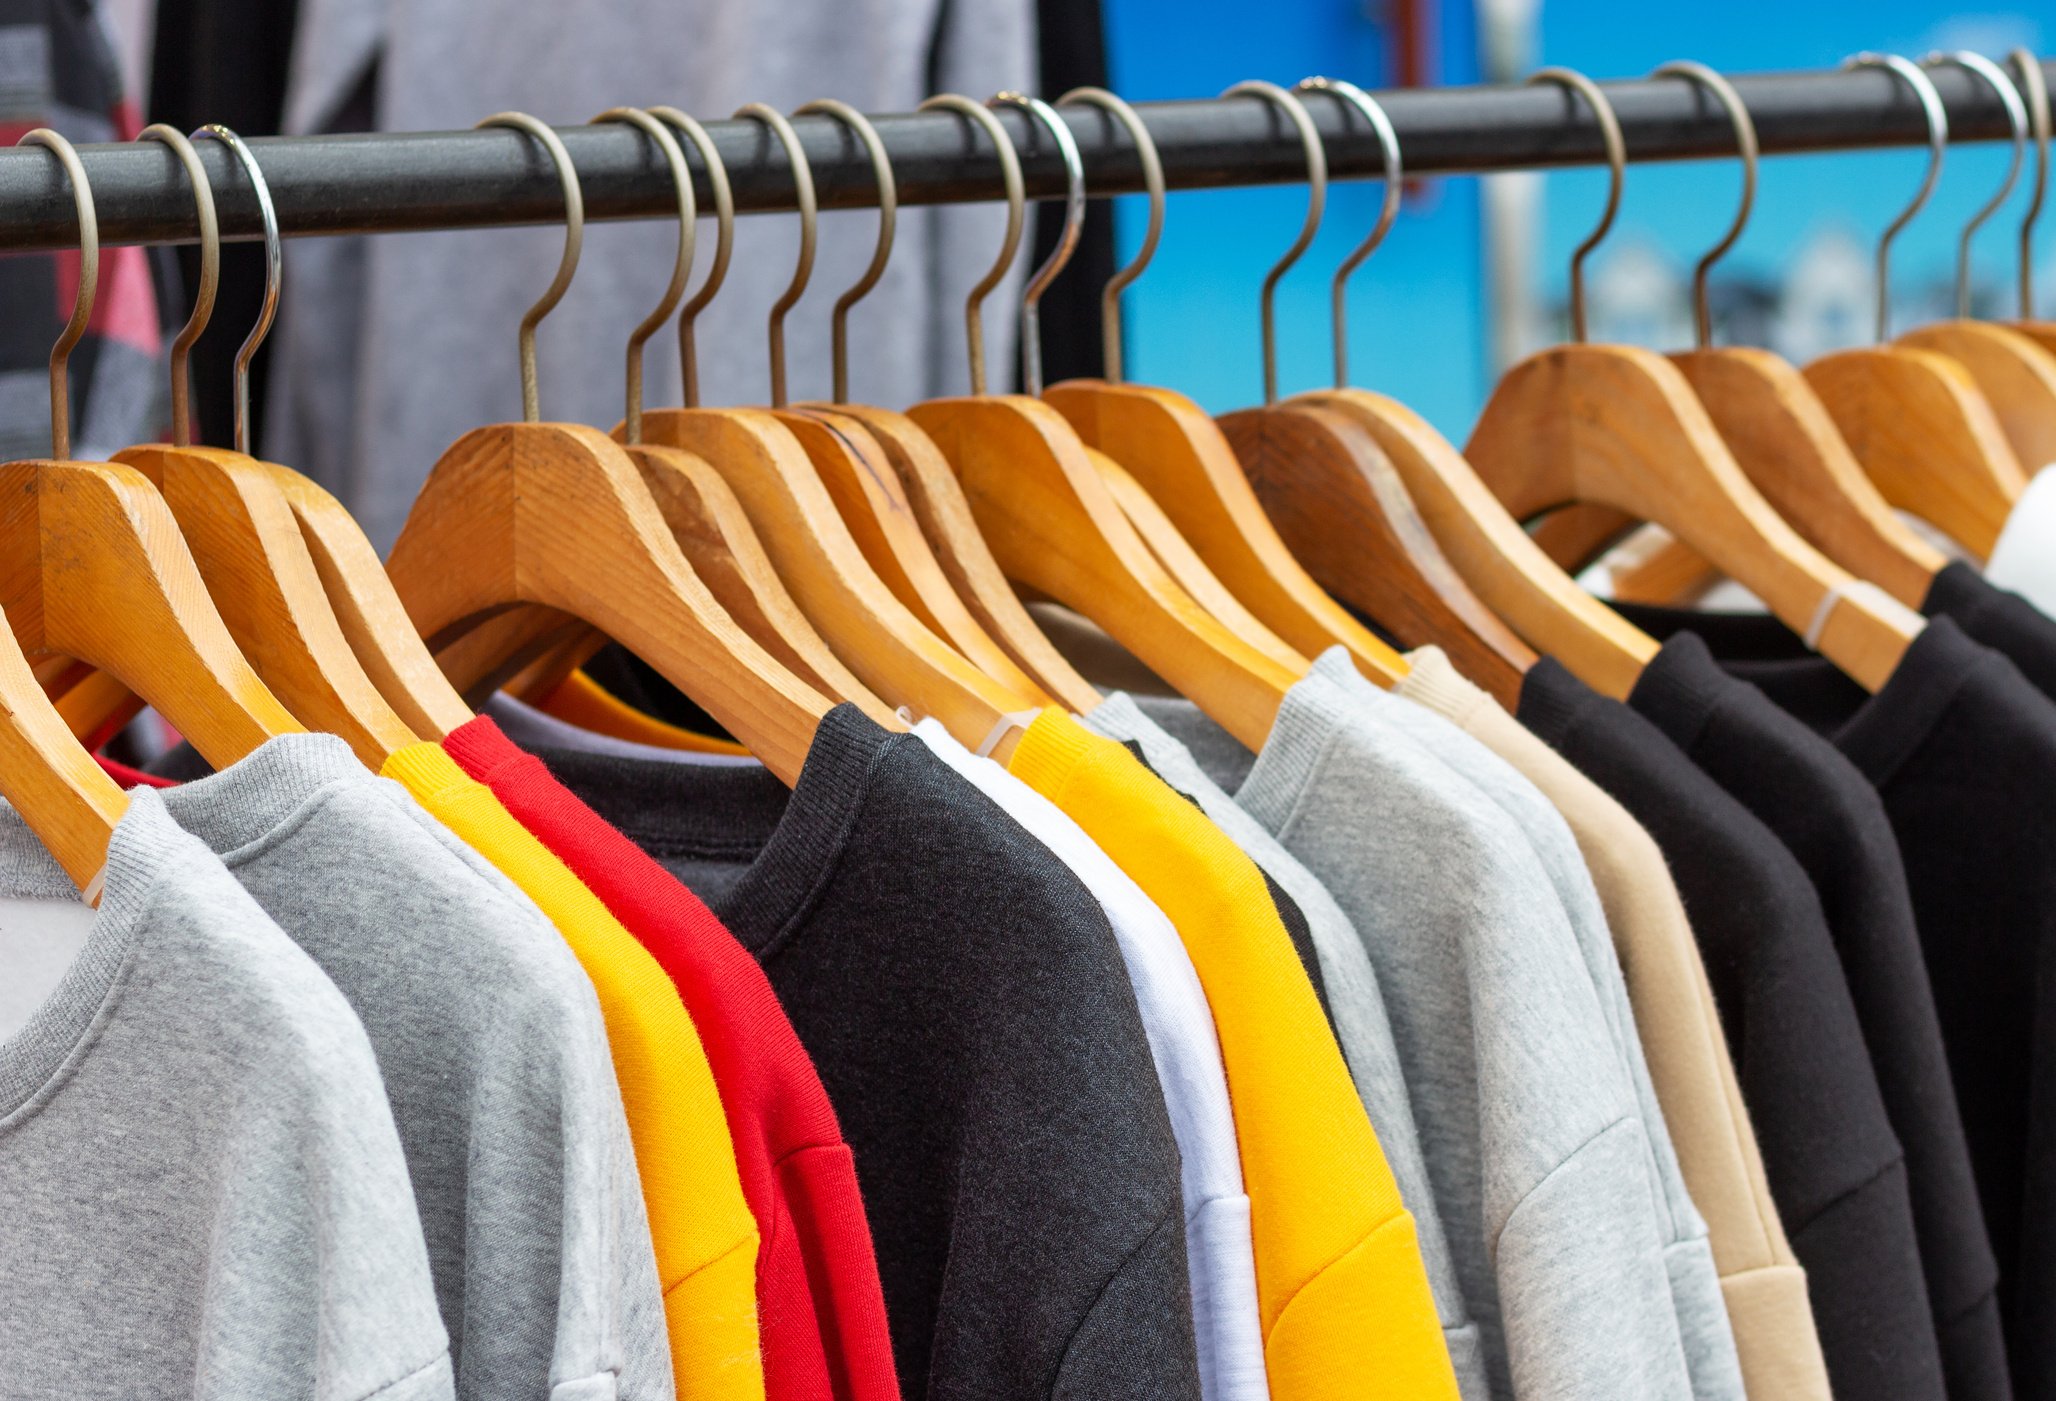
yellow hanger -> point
(773, 460)
(1053, 523)
(2016, 375)
(557, 514)
(1620, 426)
(97, 570)
(1914, 418)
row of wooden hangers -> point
(773, 561)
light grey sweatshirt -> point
(1688, 1253)
(494, 1058)
(1354, 1002)
(1529, 1123)
(202, 1194)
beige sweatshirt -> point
(1762, 1282)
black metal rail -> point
(451, 180)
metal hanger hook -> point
(888, 223)
(681, 267)
(1747, 148)
(1316, 205)
(724, 244)
(2016, 116)
(803, 200)
(1067, 241)
(1153, 182)
(1938, 144)
(1017, 206)
(2035, 90)
(567, 266)
(1395, 189)
(1617, 168)
(274, 274)
(210, 276)
(89, 285)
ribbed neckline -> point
(1313, 713)
(145, 841)
(427, 772)
(1433, 683)
(1049, 753)
(1681, 688)
(247, 802)
(1553, 703)
(1888, 727)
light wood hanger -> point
(1914, 418)
(1304, 463)
(1053, 524)
(2034, 91)
(2016, 375)
(1177, 455)
(95, 568)
(1779, 432)
(557, 514)
(767, 462)
(256, 566)
(1620, 425)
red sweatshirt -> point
(821, 1306)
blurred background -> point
(389, 348)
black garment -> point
(1835, 1168)
(966, 1003)
(2002, 620)
(1830, 817)
(1962, 748)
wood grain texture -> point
(492, 651)
(1505, 568)
(1053, 525)
(264, 584)
(1340, 507)
(1620, 426)
(557, 514)
(66, 799)
(369, 610)
(92, 566)
(1180, 457)
(875, 634)
(931, 490)
(866, 492)
(1925, 437)
(2016, 375)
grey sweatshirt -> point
(1354, 1003)
(202, 1194)
(1529, 1123)
(390, 347)
(1688, 1254)
(495, 1062)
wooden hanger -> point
(2016, 375)
(557, 514)
(1620, 425)
(767, 464)
(95, 568)
(1780, 433)
(1177, 454)
(1053, 524)
(241, 531)
(1914, 418)
(1332, 494)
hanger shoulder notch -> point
(1177, 453)
(1924, 436)
(937, 501)
(1786, 443)
(264, 584)
(1340, 506)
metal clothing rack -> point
(475, 179)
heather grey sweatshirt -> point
(1530, 1124)
(495, 1061)
(202, 1194)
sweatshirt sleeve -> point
(1136, 1339)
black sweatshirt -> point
(1833, 821)
(966, 1003)
(1962, 749)
(1834, 1166)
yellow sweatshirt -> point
(705, 1236)
(1341, 1289)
